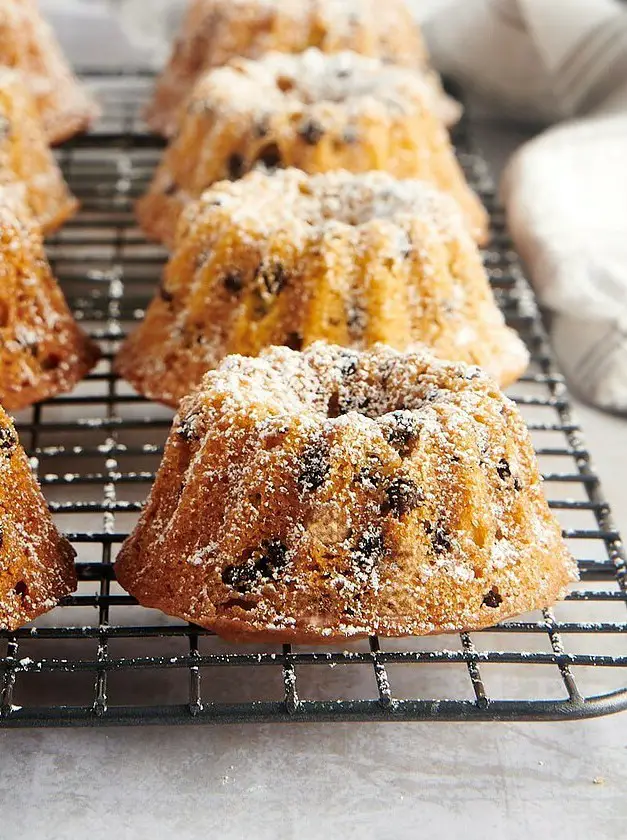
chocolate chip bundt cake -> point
(313, 111)
(290, 258)
(28, 44)
(27, 166)
(216, 31)
(36, 563)
(310, 497)
(42, 350)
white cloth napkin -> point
(565, 192)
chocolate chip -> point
(233, 282)
(356, 403)
(8, 439)
(271, 279)
(504, 470)
(165, 295)
(257, 569)
(312, 132)
(402, 432)
(270, 156)
(371, 544)
(187, 428)
(505, 473)
(236, 166)
(370, 549)
(294, 341)
(21, 589)
(440, 537)
(493, 599)
(403, 496)
(273, 560)
(368, 478)
(273, 276)
(334, 407)
(315, 466)
(240, 577)
(5, 127)
(171, 189)
(348, 363)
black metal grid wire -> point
(101, 659)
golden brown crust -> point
(28, 44)
(43, 352)
(313, 111)
(62, 127)
(310, 497)
(36, 562)
(27, 166)
(290, 258)
(216, 31)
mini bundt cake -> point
(309, 497)
(216, 31)
(289, 258)
(27, 166)
(36, 563)
(313, 111)
(42, 350)
(28, 44)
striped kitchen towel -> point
(562, 62)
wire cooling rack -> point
(101, 659)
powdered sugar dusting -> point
(287, 83)
(309, 203)
(36, 564)
(216, 31)
(27, 166)
(28, 43)
(42, 351)
(290, 258)
(349, 492)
